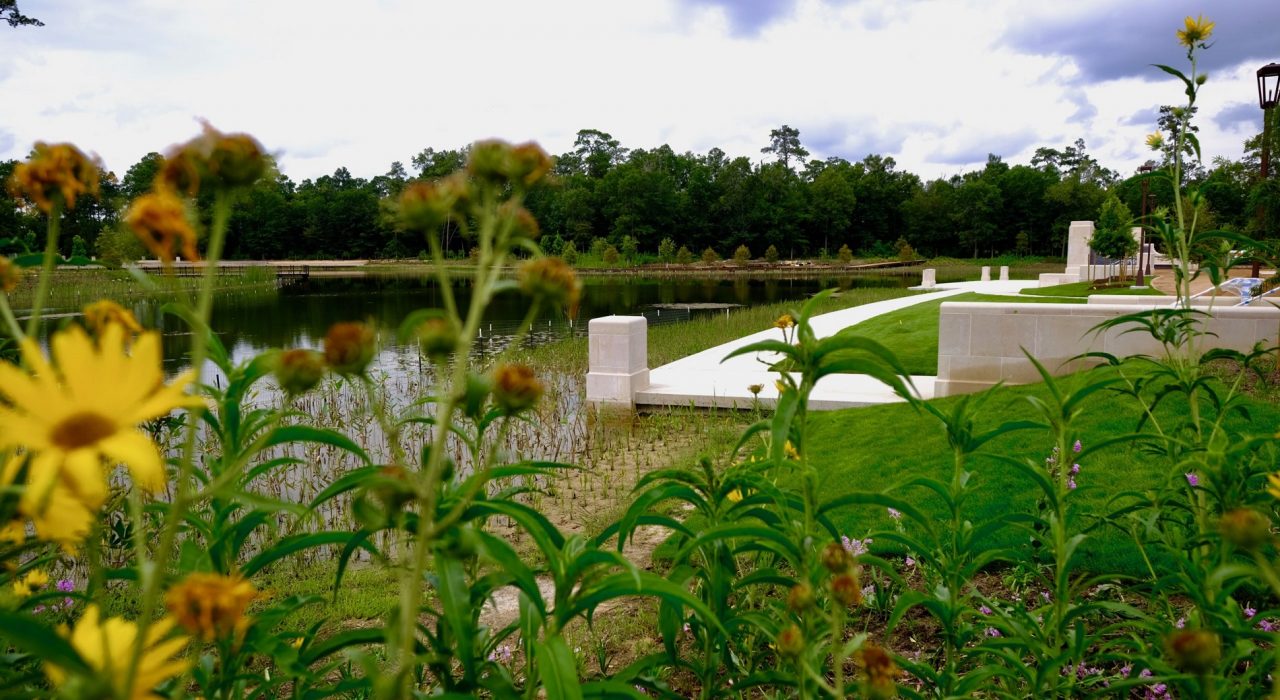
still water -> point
(299, 313)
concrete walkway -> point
(703, 380)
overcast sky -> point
(937, 84)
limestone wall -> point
(982, 344)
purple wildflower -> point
(66, 585)
(1192, 479)
(910, 562)
(38, 609)
(1071, 482)
(1077, 447)
(1182, 622)
(895, 514)
(1047, 597)
(992, 632)
(984, 610)
(1249, 611)
(1125, 670)
(1267, 625)
(1075, 468)
(855, 547)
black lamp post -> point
(1268, 96)
(1145, 169)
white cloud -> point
(329, 84)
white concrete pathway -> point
(703, 380)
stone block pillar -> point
(986, 273)
(1004, 273)
(930, 278)
(1078, 244)
(618, 364)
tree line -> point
(646, 202)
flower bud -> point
(801, 597)
(299, 370)
(488, 161)
(58, 171)
(10, 275)
(791, 641)
(846, 588)
(474, 395)
(426, 206)
(159, 220)
(392, 487)
(212, 160)
(515, 388)
(523, 225)
(527, 164)
(836, 558)
(438, 338)
(1245, 528)
(784, 322)
(1194, 651)
(349, 347)
(101, 313)
(551, 279)
(880, 672)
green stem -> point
(46, 268)
(151, 577)
(10, 321)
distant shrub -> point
(630, 246)
(610, 256)
(905, 251)
(742, 255)
(709, 255)
(78, 249)
(597, 247)
(666, 250)
(844, 254)
(569, 252)
(771, 253)
(684, 256)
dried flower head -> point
(104, 311)
(515, 388)
(213, 161)
(1196, 31)
(59, 172)
(880, 672)
(10, 275)
(426, 206)
(299, 370)
(438, 338)
(349, 347)
(836, 558)
(1246, 528)
(784, 322)
(498, 163)
(1194, 651)
(846, 588)
(527, 163)
(523, 225)
(801, 597)
(210, 606)
(791, 641)
(551, 279)
(159, 219)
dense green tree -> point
(784, 144)
(977, 212)
(140, 176)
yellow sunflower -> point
(1197, 31)
(85, 407)
(60, 515)
(107, 646)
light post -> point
(1145, 169)
(1268, 96)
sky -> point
(936, 84)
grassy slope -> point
(1084, 289)
(871, 449)
(912, 333)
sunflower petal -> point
(140, 454)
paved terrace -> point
(703, 380)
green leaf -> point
(338, 642)
(290, 545)
(41, 641)
(558, 669)
(305, 433)
(350, 480)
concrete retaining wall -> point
(981, 344)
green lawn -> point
(912, 333)
(875, 448)
(1084, 289)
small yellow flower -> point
(36, 578)
(1155, 141)
(790, 451)
(107, 647)
(83, 408)
(159, 220)
(735, 495)
(755, 389)
(1197, 31)
(211, 605)
(59, 171)
(10, 275)
(15, 532)
(99, 314)
(782, 388)
(784, 322)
